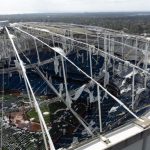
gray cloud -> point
(29, 6)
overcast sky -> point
(41, 6)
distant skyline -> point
(62, 6)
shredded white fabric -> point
(17, 65)
(131, 74)
(113, 109)
(140, 90)
(120, 67)
(79, 92)
(105, 96)
(56, 65)
(12, 36)
(125, 89)
(68, 100)
(106, 79)
(87, 90)
(126, 66)
(61, 87)
(92, 84)
(91, 97)
(59, 50)
(92, 123)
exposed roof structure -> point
(87, 87)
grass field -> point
(33, 114)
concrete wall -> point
(143, 144)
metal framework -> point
(110, 44)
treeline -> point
(129, 22)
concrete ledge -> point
(144, 124)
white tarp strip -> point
(56, 65)
(78, 92)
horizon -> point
(90, 12)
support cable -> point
(104, 89)
(28, 92)
(73, 112)
(34, 99)
(99, 108)
(146, 63)
(86, 34)
(112, 56)
(2, 106)
(133, 89)
(90, 55)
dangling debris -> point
(106, 78)
(91, 97)
(78, 92)
(56, 65)
(61, 88)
